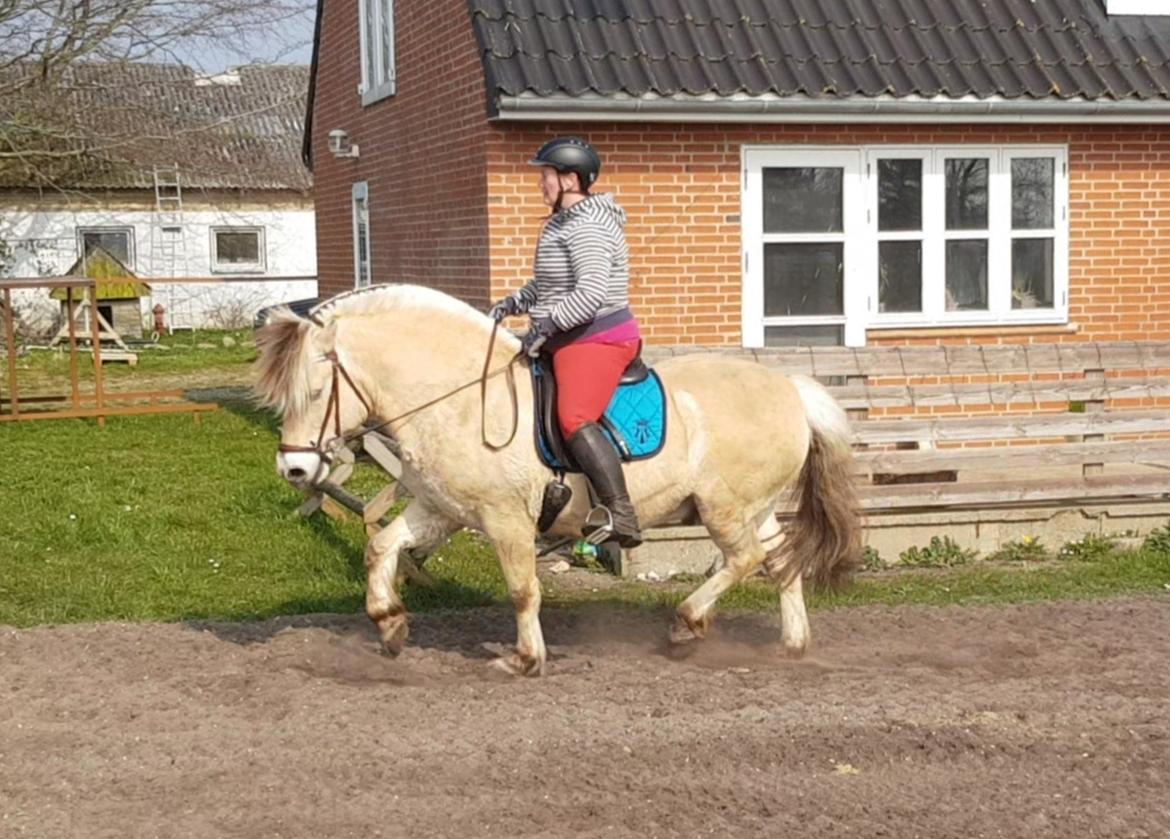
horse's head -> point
(304, 375)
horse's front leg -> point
(416, 527)
(516, 548)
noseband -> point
(322, 447)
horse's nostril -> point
(297, 474)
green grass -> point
(156, 518)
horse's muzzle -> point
(301, 469)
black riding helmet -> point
(570, 154)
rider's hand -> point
(505, 308)
(542, 329)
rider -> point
(578, 303)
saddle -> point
(635, 420)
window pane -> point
(114, 242)
(362, 243)
(804, 279)
(237, 247)
(967, 193)
(371, 31)
(900, 276)
(804, 336)
(387, 21)
(1032, 192)
(803, 200)
(966, 274)
(1032, 274)
(899, 195)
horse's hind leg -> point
(793, 616)
(415, 527)
(744, 545)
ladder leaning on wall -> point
(169, 242)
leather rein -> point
(325, 448)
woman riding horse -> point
(579, 307)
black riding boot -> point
(599, 459)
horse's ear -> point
(325, 337)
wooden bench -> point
(948, 433)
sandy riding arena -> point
(1038, 720)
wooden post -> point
(10, 339)
(99, 391)
(75, 389)
(1094, 406)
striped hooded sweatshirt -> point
(582, 274)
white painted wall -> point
(47, 244)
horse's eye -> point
(316, 394)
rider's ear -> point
(325, 338)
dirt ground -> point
(1039, 720)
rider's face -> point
(552, 183)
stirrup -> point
(597, 532)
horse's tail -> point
(824, 539)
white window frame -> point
(999, 233)
(361, 192)
(381, 82)
(258, 267)
(862, 237)
(757, 159)
(108, 228)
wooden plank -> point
(1012, 427)
(860, 396)
(376, 446)
(10, 352)
(941, 360)
(129, 410)
(310, 505)
(343, 497)
(381, 503)
(1006, 493)
(341, 473)
(904, 462)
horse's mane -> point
(284, 343)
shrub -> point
(940, 553)
(1028, 549)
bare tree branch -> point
(69, 96)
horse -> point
(435, 375)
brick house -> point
(796, 171)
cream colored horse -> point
(739, 436)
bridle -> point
(325, 448)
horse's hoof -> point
(795, 651)
(517, 664)
(686, 630)
(394, 632)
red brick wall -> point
(681, 187)
(422, 152)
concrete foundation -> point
(687, 550)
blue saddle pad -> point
(635, 423)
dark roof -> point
(237, 130)
(1016, 49)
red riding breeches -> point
(587, 376)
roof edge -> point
(307, 139)
(805, 109)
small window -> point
(118, 242)
(377, 45)
(361, 235)
(237, 249)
